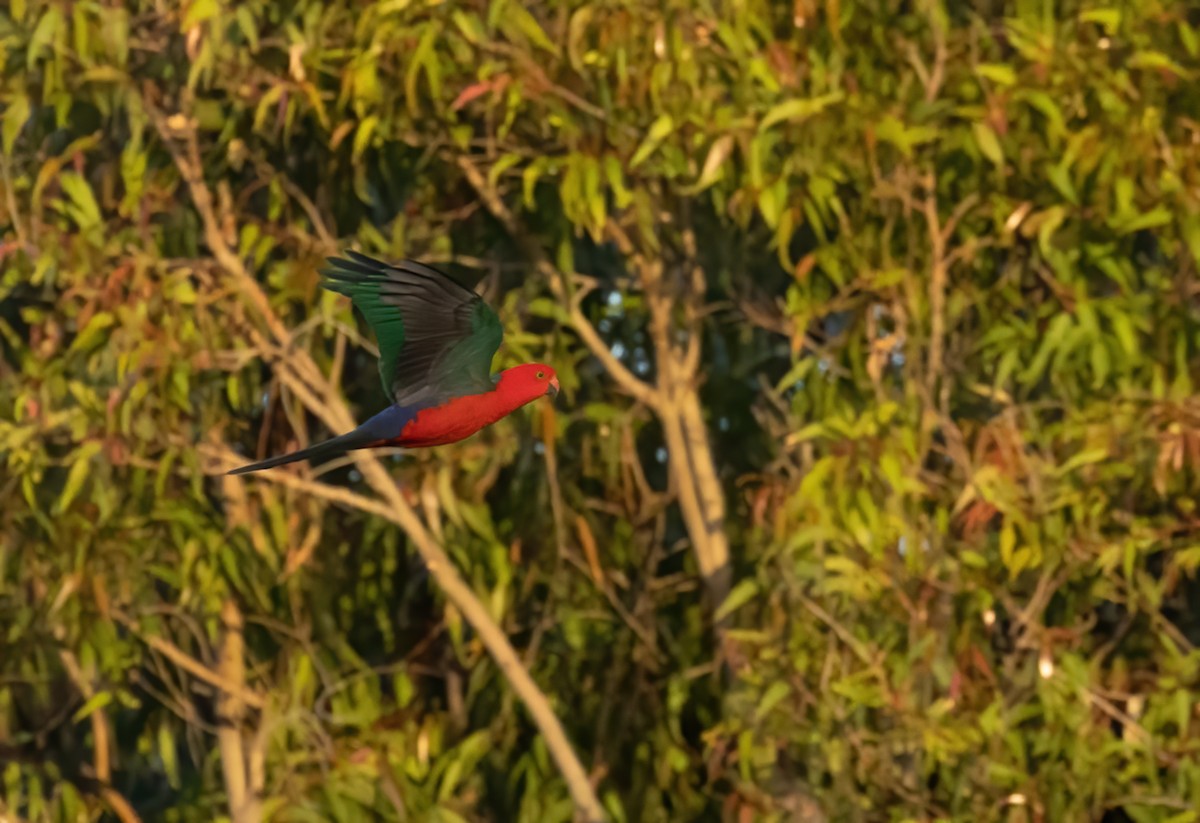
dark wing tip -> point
(355, 267)
(428, 271)
(363, 259)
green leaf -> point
(198, 11)
(1051, 340)
(771, 698)
(988, 142)
(1008, 543)
(1110, 19)
(1047, 106)
(15, 117)
(424, 58)
(593, 194)
(1158, 216)
(91, 333)
(1101, 363)
(81, 468)
(362, 137)
(1190, 37)
(1157, 61)
(43, 35)
(615, 177)
(530, 177)
(1059, 175)
(167, 752)
(268, 105)
(502, 165)
(95, 703)
(517, 19)
(973, 559)
(906, 138)
(247, 25)
(576, 31)
(1048, 222)
(1084, 458)
(1000, 73)
(741, 594)
(87, 211)
(659, 131)
(470, 26)
(795, 111)
(771, 202)
(1126, 333)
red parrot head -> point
(528, 382)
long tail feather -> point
(327, 448)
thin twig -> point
(10, 199)
(937, 290)
(190, 664)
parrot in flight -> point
(436, 343)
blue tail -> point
(383, 426)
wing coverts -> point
(436, 337)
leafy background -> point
(871, 494)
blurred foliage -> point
(951, 335)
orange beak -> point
(552, 392)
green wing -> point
(436, 337)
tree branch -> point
(191, 665)
(190, 165)
(302, 375)
(244, 806)
(101, 740)
(394, 509)
(673, 396)
(937, 288)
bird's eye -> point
(541, 375)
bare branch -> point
(625, 379)
(191, 665)
(937, 74)
(672, 397)
(937, 290)
(244, 807)
(257, 756)
(394, 509)
(101, 743)
(190, 166)
(301, 374)
(328, 242)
